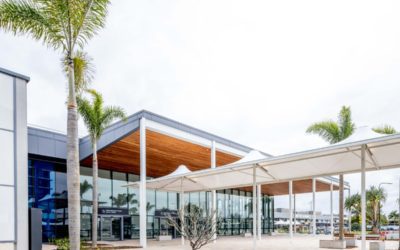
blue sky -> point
(257, 72)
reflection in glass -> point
(120, 197)
(104, 183)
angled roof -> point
(14, 74)
(121, 129)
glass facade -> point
(48, 191)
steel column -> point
(363, 201)
(332, 225)
(290, 209)
(313, 207)
(213, 192)
(259, 211)
(142, 191)
(254, 202)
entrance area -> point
(111, 228)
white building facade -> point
(13, 160)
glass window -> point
(162, 200)
(151, 202)
(6, 102)
(7, 157)
(104, 183)
(133, 195)
(7, 213)
(203, 202)
(194, 199)
(172, 201)
(120, 193)
(86, 180)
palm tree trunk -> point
(95, 196)
(341, 207)
(73, 182)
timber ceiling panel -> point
(164, 155)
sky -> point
(256, 72)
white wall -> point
(13, 164)
(7, 188)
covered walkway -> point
(358, 153)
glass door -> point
(111, 228)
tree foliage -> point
(334, 131)
(375, 197)
(97, 117)
(385, 129)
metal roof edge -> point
(14, 74)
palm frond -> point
(83, 70)
(28, 17)
(328, 130)
(385, 129)
(345, 123)
(112, 113)
(97, 117)
(89, 116)
(87, 17)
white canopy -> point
(383, 152)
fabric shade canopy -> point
(383, 152)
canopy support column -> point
(259, 211)
(332, 226)
(290, 209)
(254, 202)
(213, 192)
(294, 214)
(349, 212)
(314, 222)
(182, 208)
(363, 201)
(142, 191)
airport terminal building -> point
(168, 144)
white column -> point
(349, 213)
(294, 214)
(332, 225)
(259, 211)
(290, 209)
(142, 191)
(363, 200)
(213, 192)
(182, 208)
(254, 209)
(313, 207)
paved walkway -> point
(278, 242)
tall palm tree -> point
(97, 118)
(65, 26)
(375, 196)
(385, 129)
(333, 132)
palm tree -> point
(353, 204)
(374, 198)
(385, 129)
(64, 26)
(333, 132)
(96, 118)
